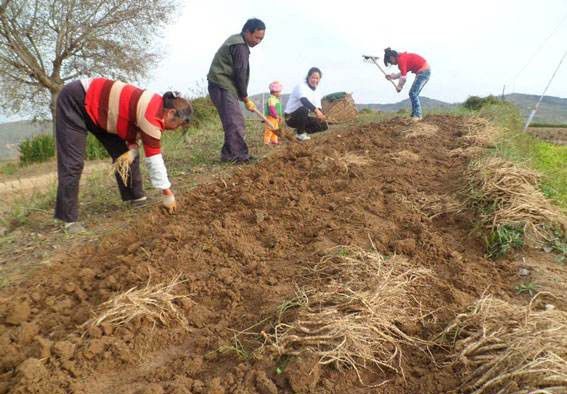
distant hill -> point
(12, 133)
(426, 103)
(553, 110)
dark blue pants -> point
(72, 123)
(232, 119)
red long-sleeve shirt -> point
(410, 62)
(127, 111)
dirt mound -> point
(239, 247)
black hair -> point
(388, 52)
(253, 25)
(312, 71)
(182, 106)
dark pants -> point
(228, 107)
(303, 123)
(71, 125)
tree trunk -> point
(53, 108)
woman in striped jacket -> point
(120, 116)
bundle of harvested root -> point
(504, 348)
(122, 164)
(154, 304)
(355, 315)
(477, 131)
(507, 195)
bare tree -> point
(45, 43)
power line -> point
(532, 114)
(535, 53)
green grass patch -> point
(515, 145)
(9, 168)
(528, 288)
(548, 159)
(41, 148)
(503, 114)
(550, 125)
(503, 240)
(22, 208)
(94, 149)
(37, 149)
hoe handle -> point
(373, 60)
(261, 116)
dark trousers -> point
(228, 107)
(72, 124)
(303, 123)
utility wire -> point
(532, 114)
(536, 52)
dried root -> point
(354, 317)
(505, 348)
(507, 195)
(155, 304)
(121, 166)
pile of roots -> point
(477, 134)
(507, 195)
(353, 316)
(154, 304)
(505, 348)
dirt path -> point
(556, 136)
(40, 182)
(241, 244)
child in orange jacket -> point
(273, 112)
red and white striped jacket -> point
(130, 112)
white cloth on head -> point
(158, 172)
(302, 91)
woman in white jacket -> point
(303, 101)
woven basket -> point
(339, 110)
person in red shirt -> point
(120, 116)
(415, 64)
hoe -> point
(281, 131)
(374, 59)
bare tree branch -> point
(45, 43)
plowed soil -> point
(240, 245)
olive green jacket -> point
(222, 72)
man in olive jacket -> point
(228, 83)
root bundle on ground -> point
(479, 132)
(507, 195)
(505, 348)
(152, 303)
(354, 315)
(431, 205)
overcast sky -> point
(473, 47)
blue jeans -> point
(420, 81)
